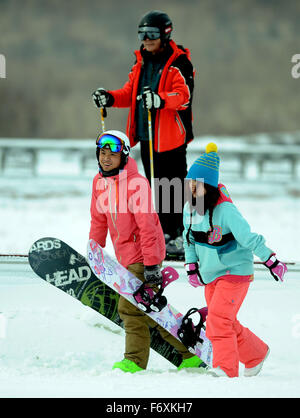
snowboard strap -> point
(188, 333)
(151, 299)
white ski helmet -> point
(116, 141)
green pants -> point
(137, 323)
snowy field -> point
(52, 346)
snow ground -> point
(56, 347)
(52, 346)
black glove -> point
(153, 274)
(102, 98)
(152, 100)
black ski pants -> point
(172, 167)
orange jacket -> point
(173, 123)
(122, 204)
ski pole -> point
(151, 156)
(103, 115)
(145, 90)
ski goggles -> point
(105, 140)
(148, 32)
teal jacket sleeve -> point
(241, 231)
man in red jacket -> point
(162, 81)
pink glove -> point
(193, 273)
(276, 267)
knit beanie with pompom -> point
(206, 167)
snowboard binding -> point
(148, 300)
(153, 300)
(188, 333)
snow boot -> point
(127, 366)
(253, 371)
(217, 372)
(192, 362)
(174, 249)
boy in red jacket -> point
(121, 203)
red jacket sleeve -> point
(179, 95)
(152, 239)
(123, 96)
(151, 233)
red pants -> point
(230, 340)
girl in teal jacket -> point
(219, 247)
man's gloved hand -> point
(276, 267)
(193, 274)
(102, 98)
(153, 274)
(152, 100)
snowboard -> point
(118, 278)
(63, 267)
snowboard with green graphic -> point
(63, 267)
